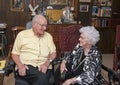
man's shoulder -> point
(47, 34)
(26, 31)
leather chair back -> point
(68, 37)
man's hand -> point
(22, 69)
(43, 68)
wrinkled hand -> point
(43, 68)
(67, 82)
(22, 69)
(63, 67)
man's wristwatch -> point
(50, 60)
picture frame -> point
(84, 8)
(58, 2)
(84, 0)
(54, 14)
(17, 5)
(95, 10)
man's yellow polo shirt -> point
(31, 49)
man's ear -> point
(34, 25)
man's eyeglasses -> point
(42, 25)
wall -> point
(19, 18)
(12, 18)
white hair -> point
(91, 33)
(37, 18)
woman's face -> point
(83, 40)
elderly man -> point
(33, 51)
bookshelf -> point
(101, 13)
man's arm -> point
(21, 67)
(50, 59)
(16, 60)
(43, 68)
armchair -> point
(68, 38)
(19, 81)
(10, 67)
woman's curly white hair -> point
(91, 33)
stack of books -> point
(2, 65)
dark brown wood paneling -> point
(107, 40)
(19, 18)
(116, 9)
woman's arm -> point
(91, 69)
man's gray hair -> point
(91, 33)
(36, 18)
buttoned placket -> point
(39, 50)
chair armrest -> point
(10, 67)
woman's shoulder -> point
(95, 51)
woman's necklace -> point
(79, 61)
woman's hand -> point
(63, 66)
(69, 81)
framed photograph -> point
(84, 8)
(17, 5)
(84, 0)
(58, 2)
(54, 14)
(95, 10)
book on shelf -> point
(100, 22)
(94, 10)
(2, 65)
(105, 12)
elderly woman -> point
(83, 65)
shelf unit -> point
(101, 13)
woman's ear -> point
(89, 42)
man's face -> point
(39, 27)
